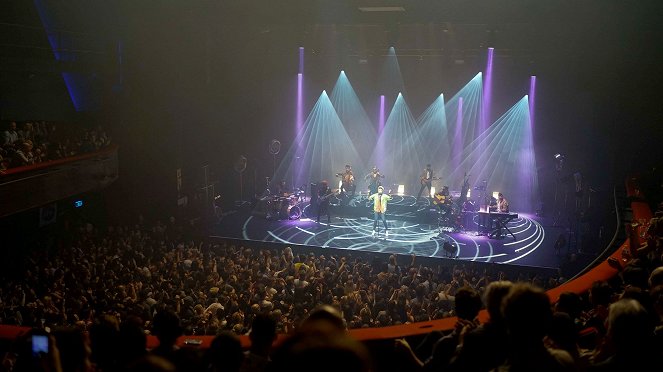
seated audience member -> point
(27, 132)
(630, 343)
(467, 305)
(600, 298)
(321, 344)
(528, 317)
(23, 155)
(483, 348)
(564, 335)
(656, 277)
(10, 136)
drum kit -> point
(285, 207)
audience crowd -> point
(102, 290)
(40, 141)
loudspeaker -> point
(314, 198)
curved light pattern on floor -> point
(405, 237)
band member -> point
(348, 186)
(502, 204)
(373, 179)
(442, 198)
(426, 180)
(324, 193)
(281, 189)
(380, 200)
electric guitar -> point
(329, 195)
(425, 181)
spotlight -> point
(432, 191)
(401, 190)
(559, 159)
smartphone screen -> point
(39, 344)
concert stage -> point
(414, 227)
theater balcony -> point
(24, 188)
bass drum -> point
(294, 212)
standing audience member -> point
(167, 327)
(262, 335)
(225, 353)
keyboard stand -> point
(500, 224)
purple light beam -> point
(300, 94)
(532, 91)
(299, 121)
(487, 92)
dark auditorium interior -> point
(334, 185)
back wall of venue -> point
(189, 85)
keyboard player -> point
(502, 205)
(500, 217)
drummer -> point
(282, 189)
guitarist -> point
(373, 179)
(426, 180)
(348, 186)
(324, 193)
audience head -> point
(323, 349)
(563, 332)
(656, 277)
(467, 303)
(569, 303)
(166, 326)
(527, 313)
(600, 293)
(225, 352)
(495, 293)
(324, 318)
(629, 325)
(263, 331)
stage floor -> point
(533, 244)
